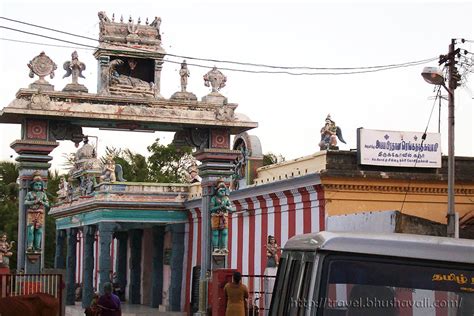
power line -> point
(229, 61)
(388, 67)
(438, 95)
(42, 44)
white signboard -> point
(399, 149)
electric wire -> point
(387, 67)
(423, 138)
(225, 61)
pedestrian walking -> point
(237, 295)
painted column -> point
(121, 261)
(134, 288)
(71, 266)
(157, 272)
(59, 258)
(106, 231)
(33, 156)
(176, 263)
(216, 163)
(158, 68)
(88, 265)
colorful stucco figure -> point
(36, 203)
(5, 252)
(220, 207)
(74, 68)
(329, 135)
(108, 172)
(272, 252)
(184, 74)
(215, 79)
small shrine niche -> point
(142, 69)
(130, 57)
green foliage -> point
(167, 164)
(271, 158)
(50, 222)
(135, 168)
(9, 204)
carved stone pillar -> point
(106, 231)
(135, 266)
(59, 258)
(103, 80)
(121, 262)
(176, 263)
(216, 163)
(158, 68)
(88, 266)
(71, 266)
(33, 155)
(157, 269)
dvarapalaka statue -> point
(329, 135)
(272, 252)
(5, 252)
(220, 207)
(36, 203)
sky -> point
(290, 110)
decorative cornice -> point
(394, 189)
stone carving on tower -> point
(5, 251)
(74, 68)
(42, 66)
(216, 80)
(183, 94)
(220, 207)
(329, 135)
(36, 203)
(130, 57)
(84, 175)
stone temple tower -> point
(130, 57)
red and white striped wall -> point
(282, 214)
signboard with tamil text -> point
(398, 149)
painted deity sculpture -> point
(74, 68)
(220, 207)
(329, 135)
(215, 79)
(5, 252)
(184, 74)
(62, 188)
(272, 252)
(36, 203)
(108, 173)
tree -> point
(134, 166)
(50, 222)
(271, 158)
(168, 164)
(9, 203)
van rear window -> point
(370, 287)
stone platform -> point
(127, 310)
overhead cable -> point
(226, 61)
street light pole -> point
(451, 165)
(435, 76)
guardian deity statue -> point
(5, 252)
(220, 207)
(329, 135)
(36, 203)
